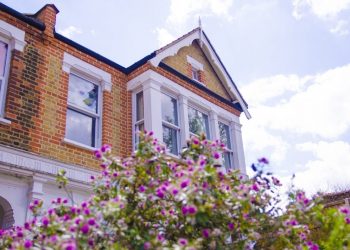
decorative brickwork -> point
(208, 76)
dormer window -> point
(196, 69)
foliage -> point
(152, 201)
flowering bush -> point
(152, 201)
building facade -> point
(59, 101)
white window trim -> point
(194, 63)
(90, 73)
(102, 77)
(173, 126)
(14, 38)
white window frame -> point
(230, 151)
(173, 126)
(203, 111)
(134, 116)
(97, 116)
(90, 73)
(14, 38)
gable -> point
(208, 76)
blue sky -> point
(290, 59)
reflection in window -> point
(198, 122)
(3, 65)
(225, 137)
(139, 124)
(82, 113)
(170, 123)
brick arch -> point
(6, 214)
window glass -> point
(225, 134)
(195, 74)
(198, 122)
(139, 107)
(80, 128)
(170, 139)
(169, 109)
(3, 55)
(225, 137)
(82, 93)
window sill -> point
(4, 121)
(79, 145)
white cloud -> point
(327, 10)
(164, 37)
(324, 9)
(70, 31)
(341, 28)
(329, 169)
(182, 10)
(185, 13)
(321, 109)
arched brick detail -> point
(7, 219)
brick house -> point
(59, 101)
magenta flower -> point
(98, 154)
(185, 183)
(175, 191)
(192, 210)
(344, 210)
(184, 210)
(263, 160)
(231, 226)
(85, 229)
(45, 221)
(142, 189)
(28, 244)
(205, 233)
(216, 155)
(91, 221)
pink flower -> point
(192, 210)
(45, 221)
(182, 242)
(255, 187)
(91, 221)
(147, 245)
(98, 154)
(216, 155)
(344, 210)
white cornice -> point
(13, 34)
(20, 160)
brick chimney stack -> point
(47, 15)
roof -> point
(155, 57)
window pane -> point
(3, 54)
(227, 160)
(139, 107)
(82, 93)
(198, 122)
(139, 127)
(195, 74)
(225, 134)
(169, 109)
(80, 128)
(170, 139)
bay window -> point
(225, 137)
(170, 123)
(198, 122)
(83, 116)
